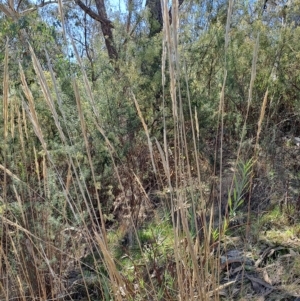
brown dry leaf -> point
(268, 252)
(236, 270)
(260, 286)
(262, 257)
(223, 293)
(235, 292)
(293, 253)
(220, 288)
(266, 277)
(259, 281)
(257, 287)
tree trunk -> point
(106, 26)
(107, 30)
(156, 18)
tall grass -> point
(45, 236)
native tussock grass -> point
(54, 241)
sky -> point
(118, 5)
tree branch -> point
(29, 10)
(9, 12)
(170, 10)
(14, 14)
(92, 14)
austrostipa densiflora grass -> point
(77, 222)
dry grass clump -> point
(60, 242)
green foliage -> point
(241, 185)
